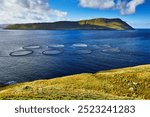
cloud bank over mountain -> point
(22, 11)
(29, 11)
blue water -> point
(49, 54)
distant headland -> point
(91, 24)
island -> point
(92, 24)
(119, 84)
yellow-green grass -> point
(118, 25)
(127, 83)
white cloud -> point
(126, 8)
(25, 11)
(101, 4)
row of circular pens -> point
(53, 50)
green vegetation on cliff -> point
(127, 83)
(98, 24)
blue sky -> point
(134, 12)
(141, 18)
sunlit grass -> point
(127, 83)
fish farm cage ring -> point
(32, 47)
(52, 52)
(56, 46)
(21, 53)
(83, 52)
(80, 45)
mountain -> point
(92, 24)
(125, 83)
(3, 25)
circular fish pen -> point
(80, 45)
(52, 52)
(32, 47)
(83, 51)
(21, 53)
(56, 46)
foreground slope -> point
(98, 23)
(127, 83)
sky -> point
(134, 12)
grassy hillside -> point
(127, 83)
(99, 23)
(117, 24)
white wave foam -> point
(11, 83)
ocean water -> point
(29, 55)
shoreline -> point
(124, 83)
(9, 83)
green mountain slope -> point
(99, 24)
(127, 83)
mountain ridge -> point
(91, 24)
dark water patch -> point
(69, 52)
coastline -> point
(125, 83)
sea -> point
(28, 55)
